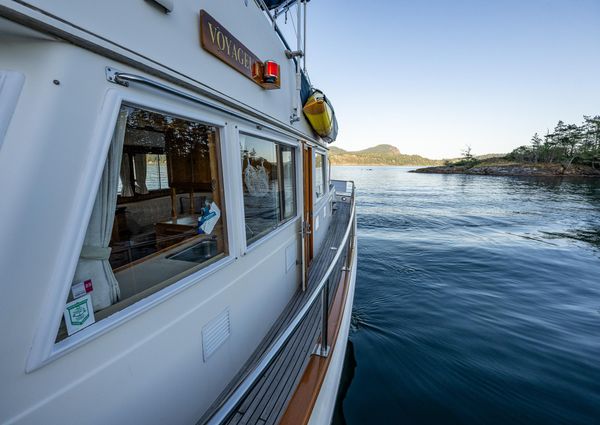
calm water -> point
(477, 300)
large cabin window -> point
(269, 182)
(158, 215)
(320, 176)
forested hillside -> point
(378, 155)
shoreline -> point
(514, 170)
(382, 165)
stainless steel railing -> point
(322, 290)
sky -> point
(433, 76)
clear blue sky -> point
(433, 76)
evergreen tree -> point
(568, 144)
(536, 146)
(467, 155)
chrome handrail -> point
(251, 378)
(115, 76)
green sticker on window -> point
(79, 314)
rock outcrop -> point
(534, 170)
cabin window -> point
(320, 176)
(158, 215)
(269, 182)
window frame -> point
(277, 139)
(280, 173)
(319, 199)
(44, 348)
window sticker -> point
(79, 314)
(80, 289)
(209, 218)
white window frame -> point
(318, 201)
(275, 138)
(44, 348)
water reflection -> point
(345, 381)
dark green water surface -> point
(477, 300)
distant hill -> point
(380, 150)
(378, 155)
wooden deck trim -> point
(302, 402)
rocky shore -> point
(534, 170)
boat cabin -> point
(170, 232)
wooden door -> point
(307, 217)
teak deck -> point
(266, 402)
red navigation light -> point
(271, 72)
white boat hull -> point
(322, 413)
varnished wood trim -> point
(300, 406)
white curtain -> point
(139, 162)
(126, 176)
(93, 261)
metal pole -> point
(324, 352)
(299, 33)
(350, 242)
(304, 50)
(298, 79)
(348, 251)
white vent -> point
(214, 334)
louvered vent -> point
(214, 334)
